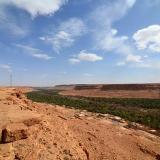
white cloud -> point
(121, 64)
(34, 52)
(133, 58)
(148, 38)
(73, 26)
(85, 56)
(131, 2)
(74, 60)
(62, 39)
(41, 56)
(66, 33)
(109, 41)
(110, 12)
(120, 45)
(106, 37)
(19, 25)
(36, 7)
(6, 67)
(42, 38)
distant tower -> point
(159, 92)
(10, 81)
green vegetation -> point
(144, 111)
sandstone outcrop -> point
(14, 132)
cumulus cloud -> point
(106, 37)
(35, 7)
(120, 45)
(66, 33)
(85, 56)
(34, 52)
(148, 38)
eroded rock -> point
(14, 132)
(18, 94)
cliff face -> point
(34, 131)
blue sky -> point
(51, 42)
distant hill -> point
(103, 87)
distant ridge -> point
(103, 87)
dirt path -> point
(57, 133)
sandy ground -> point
(57, 133)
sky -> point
(45, 43)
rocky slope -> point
(34, 131)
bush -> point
(144, 111)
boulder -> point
(14, 132)
(18, 94)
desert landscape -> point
(79, 79)
(42, 131)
